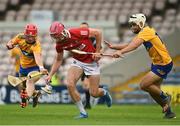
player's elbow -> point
(59, 57)
(134, 47)
(143, 86)
(98, 32)
(9, 46)
(93, 93)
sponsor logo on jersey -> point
(81, 47)
(84, 32)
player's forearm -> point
(134, 44)
(10, 45)
(129, 48)
(98, 35)
(55, 67)
(119, 46)
(57, 63)
(38, 59)
(98, 41)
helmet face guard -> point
(57, 32)
(30, 39)
(132, 24)
(60, 37)
(30, 33)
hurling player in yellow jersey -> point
(30, 60)
(161, 60)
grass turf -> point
(99, 115)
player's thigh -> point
(94, 83)
(74, 74)
(150, 79)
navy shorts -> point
(25, 71)
(162, 70)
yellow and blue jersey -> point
(155, 46)
(27, 58)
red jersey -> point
(79, 39)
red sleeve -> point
(80, 32)
(59, 48)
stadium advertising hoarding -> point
(9, 94)
(174, 91)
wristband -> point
(41, 67)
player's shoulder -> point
(73, 29)
(81, 31)
(77, 29)
(148, 29)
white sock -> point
(81, 107)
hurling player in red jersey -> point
(78, 38)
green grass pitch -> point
(99, 115)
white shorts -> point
(89, 68)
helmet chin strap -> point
(30, 42)
(141, 27)
(65, 35)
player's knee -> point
(70, 85)
(93, 93)
(143, 86)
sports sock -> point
(87, 97)
(80, 107)
(163, 96)
(169, 110)
(34, 94)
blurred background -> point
(120, 76)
